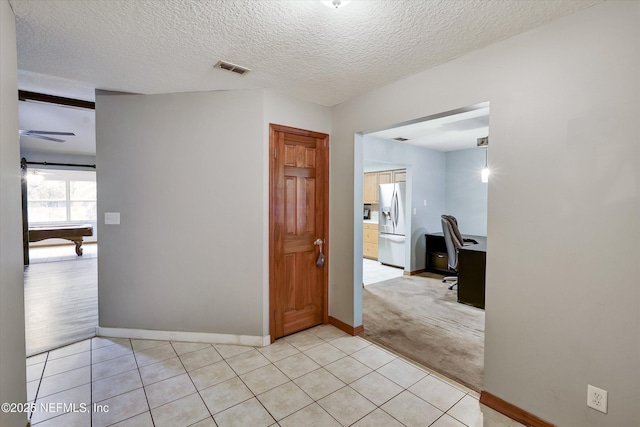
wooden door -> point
(299, 214)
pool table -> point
(74, 233)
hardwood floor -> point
(61, 303)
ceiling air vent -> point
(232, 67)
(401, 139)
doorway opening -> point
(60, 233)
(415, 313)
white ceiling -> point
(457, 131)
(50, 117)
(298, 47)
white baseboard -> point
(209, 338)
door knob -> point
(321, 257)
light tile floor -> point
(319, 377)
(374, 272)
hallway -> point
(318, 377)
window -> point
(82, 204)
(61, 196)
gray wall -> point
(288, 111)
(425, 181)
(563, 215)
(186, 173)
(465, 193)
(12, 350)
(189, 174)
(564, 96)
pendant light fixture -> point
(484, 175)
(484, 142)
(335, 3)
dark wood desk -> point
(436, 254)
(471, 266)
(73, 233)
(472, 261)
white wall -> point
(186, 173)
(289, 111)
(12, 349)
(425, 181)
(465, 193)
(564, 217)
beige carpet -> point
(419, 317)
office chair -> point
(454, 241)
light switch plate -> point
(112, 217)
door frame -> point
(273, 129)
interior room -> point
(57, 151)
(206, 112)
(442, 160)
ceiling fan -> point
(42, 134)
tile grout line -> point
(320, 342)
(255, 396)
(464, 389)
(321, 367)
(346, 385)
(138, 369)
(91, 378)
(289, 380)
(146, 398)
(373, 370)
(120, 394)
(376, 371)
(459, 400)
(190, 379)
(35, 398)
(245, 384)
(293, 381)
(111, 376)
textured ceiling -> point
(301, 48)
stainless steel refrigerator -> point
(391, 224)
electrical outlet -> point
(597, 398)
